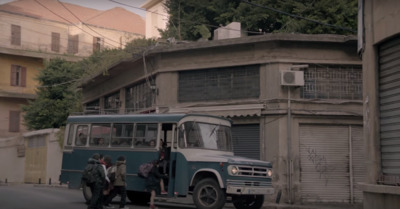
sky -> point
(104, 4)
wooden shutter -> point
(13, 79)
(14, 121)
(73, 44)
(23, 77)
(55, 42)
(76, 44)
(16, 35)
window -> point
(122, 135)
(100, 135)
(18, 76)
(145, 135)
(96, 44)
(55, 42)
(112, 103)
(73, 44)
(14, 121)
(16, 35)
(81, 135)
(138, 97)
(219, 84)
(332, 82)
(92, 107)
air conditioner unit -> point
(292, 78)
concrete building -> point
(295, 100)
(32, 31)
(156, 17)
(379, 46)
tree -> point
(58, 93)
(55, 96)
(260, 16)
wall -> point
(380, 22)
(12, 165)
(156, 17)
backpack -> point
(89, 174)
(145, 169)
(111, 173)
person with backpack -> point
(110, 174)
(154, 182)
(119, 184)
(94, 177)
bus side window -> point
(70, 134)
(81, 135)
(144, 134)
(122, 135)
(100, 133)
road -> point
(29, 196)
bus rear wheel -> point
(208, 195)
(87, 193)
(248, 201)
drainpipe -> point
(289, 147)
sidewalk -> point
(311, 206)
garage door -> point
(332, 162)
(246, 140)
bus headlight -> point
(269, 172)
(234, 170)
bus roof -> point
(141, 118)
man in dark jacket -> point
(97, 187)
(119, 184)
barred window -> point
(138, 97)
(219, 83)
(112, 103)
(332, 82)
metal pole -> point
(351, 166)
(289, 146)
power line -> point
(86, 24)
(187, 21)
(66, 19)
(299, 17)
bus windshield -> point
(205, 136)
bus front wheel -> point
(208, 195)
(248, 201)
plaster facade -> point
(379, 22)
(156, 17)
(280, 138)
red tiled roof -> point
(116, 18)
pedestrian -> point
(119, 184)
(154, 183)
(99, 179)
(110, 174)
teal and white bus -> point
(200, 159)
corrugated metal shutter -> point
(389, 102)
(246, 140)
(358, 164)
(324, 163)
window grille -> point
(219, 84)
(332, 82)
(138, 97)
(112, 103)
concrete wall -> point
(27, 162)
(13, 166)
(380, 22)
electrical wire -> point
(87, 24)
(67, 20)
(298, 17)
(187, 21)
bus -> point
(199, 156)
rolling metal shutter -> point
(246, 140)
(330, 169)
(389, 104)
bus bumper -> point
(248, 190)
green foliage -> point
(55, 97)
(58, 93)
(187, 17)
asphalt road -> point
(29, 196)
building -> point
(295, 100)
(156, 17)
(379, 46)
(32, 31)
